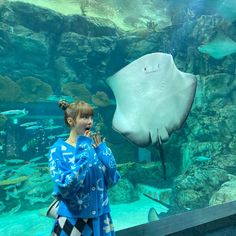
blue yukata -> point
(81, 176)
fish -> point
(2, 133)
(57, 98)
(53, 127)
(29, 124)
(34, 127)
(32, 143)
(226, 9)
(203, 159)
(168, 95)
(160, 84)
(24, 148)
(14, 161)
(62, 135)
(153, 215)
(219, 47)
(15, 209)
(37, 158)
(15, 113)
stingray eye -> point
(145, 69)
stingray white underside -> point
(153, 98)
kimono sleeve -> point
(67, 177)
(105, 155)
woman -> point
(82, 168)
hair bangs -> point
(85, 109)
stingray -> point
(153, 99)
(219, 47)
(227, 9)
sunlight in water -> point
(125, 16)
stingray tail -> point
(161, 150)
(157, 200)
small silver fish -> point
(58, 97)
(24, 148)
(34, 127)
(14, 161)
(203, 159)
(15, 113)
(53, 127)
(29, 124)
(2, 133)
(37, 159)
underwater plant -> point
(152, 25)
(9, 90)
(33, 89)
(98, 7)
(3, 120)
(77, 91)
(101, 99)
(84, 4)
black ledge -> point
(216, 220)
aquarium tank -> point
(71, 49)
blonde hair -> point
(74, 109)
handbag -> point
(53, 209)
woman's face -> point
(82, 123)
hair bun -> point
(63, 104)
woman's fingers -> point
(87, 133)
(97, 139)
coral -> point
(84, 4)
(77, 91)
(3, 120)
(152, 26)
(205, 28)
(101, 99)
(195, 188)
(9, 90)
(33, 89)
(123, 192)
(99, 124)
(226, 193)
(142, 173)
(13, 181)
(99, 7)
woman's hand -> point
(87, 133)
(97, 139)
